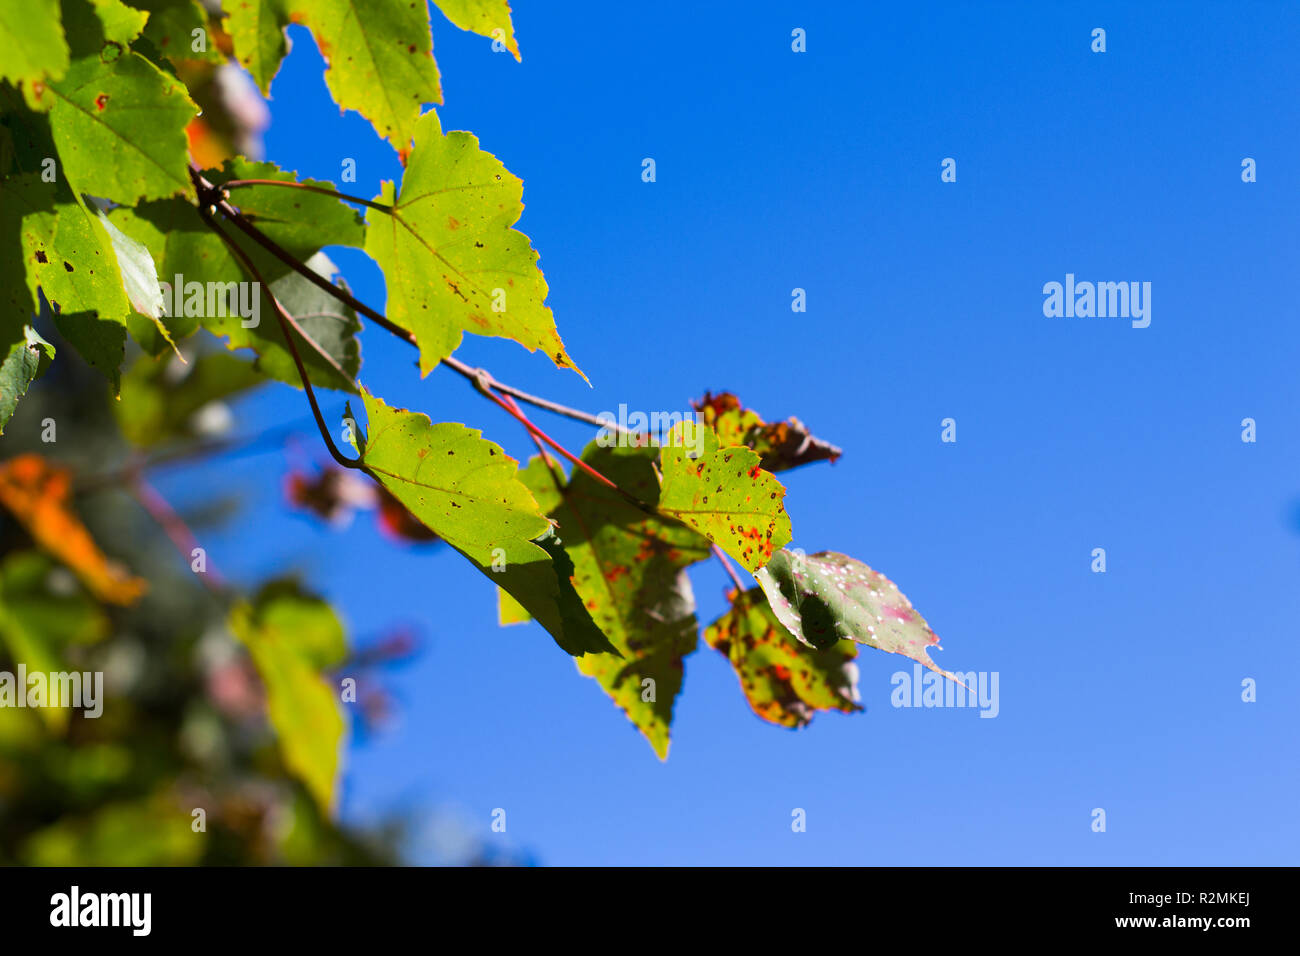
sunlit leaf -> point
(466, 490)
(31, 36)
(257, 29)
(724, 494)
(380, 56)
(488, 18)
(451, 259)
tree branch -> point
(214, 196)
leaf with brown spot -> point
(38, 494)
(785, 682)
(780, 445)
(724, 494)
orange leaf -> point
(37, 494)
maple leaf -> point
(466, 490)
(451, 258)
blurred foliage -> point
(184, 723)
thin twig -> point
(173, 524)
(287, 322)
(731, 571)
(241, 183)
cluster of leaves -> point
(107, 183)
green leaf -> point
(537, 478)
(467, 491)
(116, 22)
(451, 260)
(484, 17)
(629, 571)
(785, 682)
(825, 597)
(297, 219)
(724, 494)
(139, 274)
(293, 637)
(380, 56)
(31, 35)
(171, 29)
(65, 250)
(257, 29)
(27, 358)
(117, 120)
(66, 254)
(143, 290)
(156, 408)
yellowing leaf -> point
(38, 495)
(488, 18)
(451, 259)
(380, 56)
(724, 494)
(785, 682)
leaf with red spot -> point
(780, 445)
(724, 494)
(785, 682)
(117, 120)
(824, 597)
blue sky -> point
(821, 170)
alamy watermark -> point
(81, 690)
(1103, 300)
(928, 689)
(636, 429)
(210, 300)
